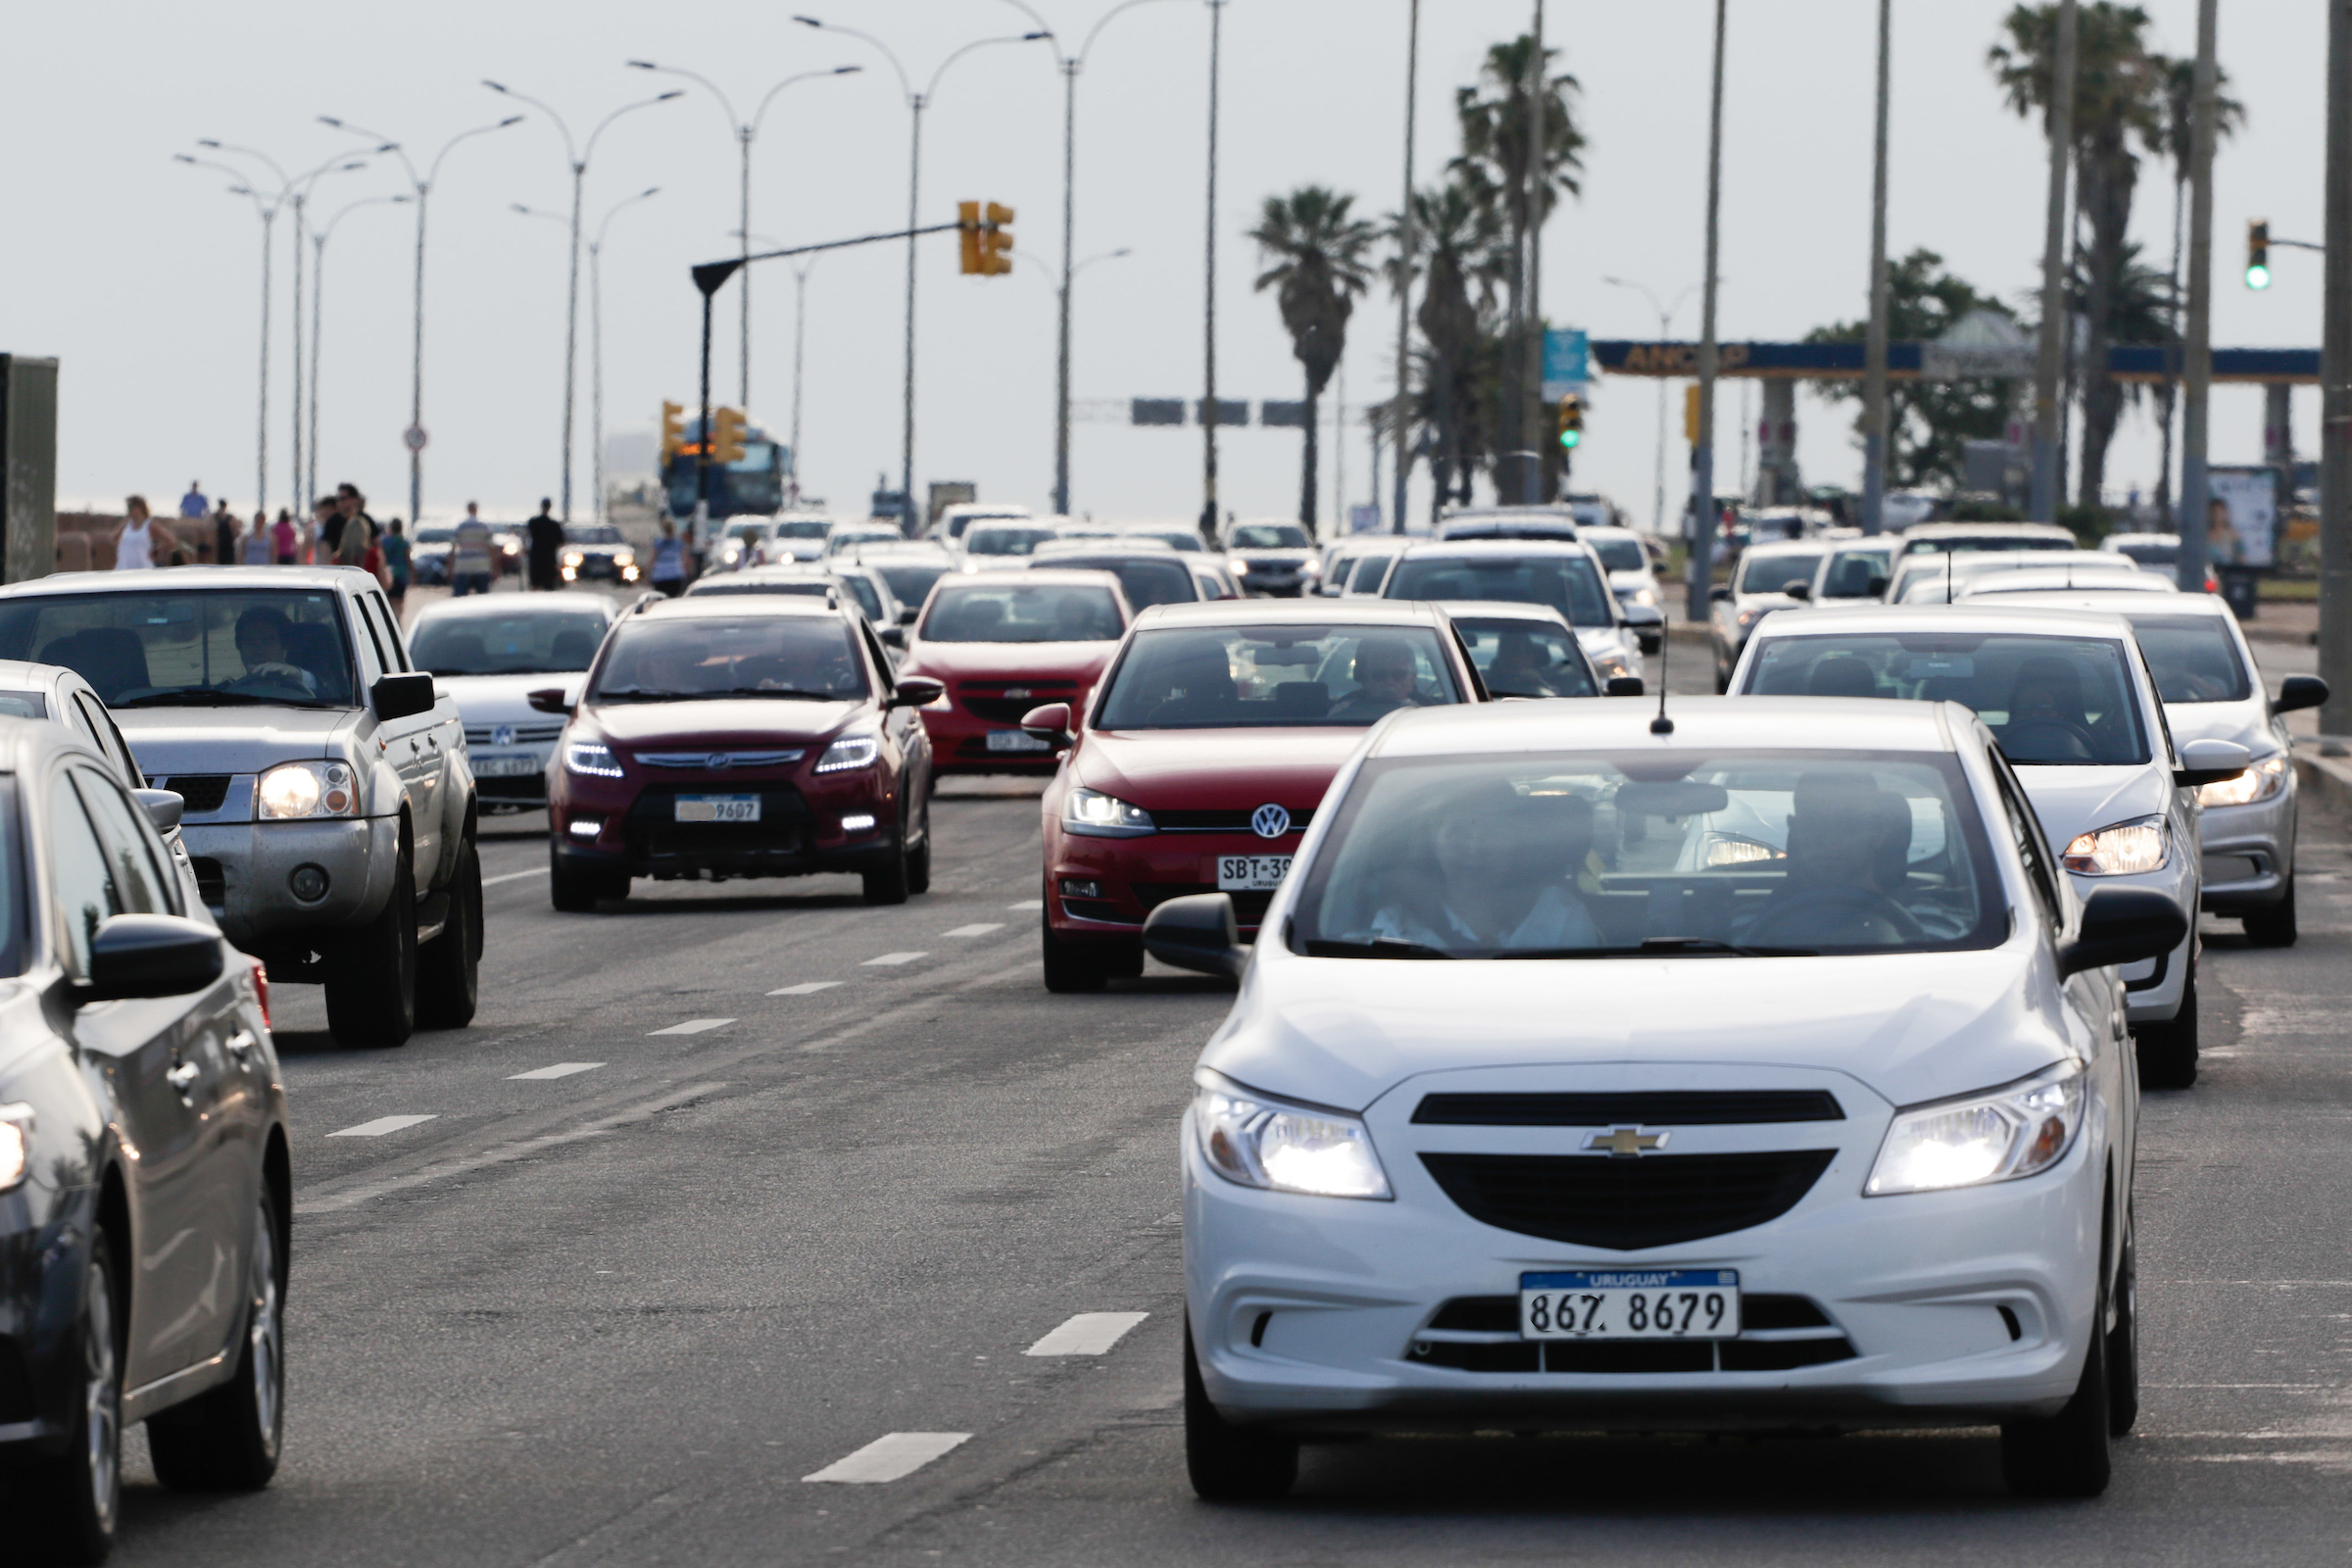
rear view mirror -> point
(1050, 723)
(907, 612)
(1877, 587)
(1797, 588)
(917, 691)
(1674, 797)
(163, 808)
(1624, 686)
(547, 699)
(1197, 933)
(401, 697)
(151, 956)
(2298, 692)
(1644, 616)
(1720, 594)
(892, 636)
(2122, 925)
(2210, 763)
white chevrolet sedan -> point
(1761, 1072)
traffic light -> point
(1691, 413)
(967, 234)
(2258, 254)
(1569, 422)
(727, 436)
(996, 241)
(673, 430)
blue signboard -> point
(1566, 361)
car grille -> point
(1666, 1109)
(1804, 1336)
(1627, 1204)
(1008, 709)
(1248, 909)
(523, 734)
(719, 762)
(1221, 821)
(654, 832)
(202, 792)
(211, 886)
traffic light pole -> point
(1698, 606)
(2197, 353)
(2050, 351)
(2336, 385)
(1874, 383)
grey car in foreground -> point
(144, 1180)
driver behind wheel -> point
(1848, 848)
(1504, 864)
(261, 638)
(2046, 711)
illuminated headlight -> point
(1728, 849)
(586, 827)
(1095, 814)
(1310, 568)
(733, 552)
(2260, 782)
(1748, 618)
(574, 558)
(1994, 1137)
(849, 751)
(861, 823)
(16, 1144)
(1642, 596)
(623, 556)
(2122, 850)
(1240, 568)
(1256, 1140)
(592, 757)
(1610, 666)
(307, 790)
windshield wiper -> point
(1665, 945)
(216, 697)
(1381, 948)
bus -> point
(753, 483)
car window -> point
(395, 646)
(1269, 536)
(1768, 574)
(1527, 659)
(910, 581)
(1226, 678)
(24, 704)
(2047, 699)
(1619, 555)
(1145, 582)
(592, 533)
(2024, 832)
(697, 657)
(1850, 573)
(1590, 853)
(143, 881)
(77, 719)
(103, 735)
(198, 648)
(1364, 575)
(1569, 584)
(2193, 659)
(83, 888)
(993, 539)
(1021, 612)
(518, 644)
(864, 592)
(372, 662)
(803, 528)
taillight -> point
(260, 990)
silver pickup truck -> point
(328, 807)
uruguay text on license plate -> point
(1013, 740)
(1251, 873)
(1695, 1303)
(718, 808)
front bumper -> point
(601, 568)
(2248, 853)
(517, 789)
(248, 865)
(959, 738)
(44, 1240)
(1277, 579)
(800, 829)
(1135, 876)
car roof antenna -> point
(1662, 725)
(1947, 576)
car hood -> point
(230, 740)
(721, 720)
(1198, 769)
(2075, 799)
(503, 699)
(954, 662)
(2248, 723)
(1915, 1027)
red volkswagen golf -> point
(1205, 752)
(1003, 643)
(759, 735)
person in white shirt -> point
(1506, 863)
(134, 546)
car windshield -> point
(1364, 575)
(1590, 855)
(1851, 572)
(1769, 574)
(1145, 582)
(1021, 612)
(803, 528)
(1177, 538)
(1966, 543)
(1527, 659)
(868, 599)
(848, 538)
(1269, 536)
(436, 533)
(1230, 677)
(2151, 551)
(747, 531)
(814, 587)
(1619, 555)
(2193, 659)
(222, 648)
(911, 580)
(541, 644)
(696, 657)
(2048, 700)
(1569, 584)
(998, 541)
(592, 533)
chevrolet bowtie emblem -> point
(1625, 1141)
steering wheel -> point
(2073, 734)
(1828, 908)
(273, 673)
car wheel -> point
(2167, 1051)
(1123, 961)
(1070, 969)
(576, 892)
(918, 859)
(449, 968)
(888, 883)
(2066, 1456)
(74, 1498)
(2275, 928)
(1228, 1463)
(2123, 1341)
(230, 1438)
(371, 976)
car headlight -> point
(1748, 618)
(849, 752)
(1240, 568)
(624, 558)
(1309, 569)
(1994, 1137)
(1256, 1140)
(1610, 666)
(1642, 596)
(2260, 782)
(1095, 814)
(295, 790)
(16, 1144)
(573, 558)
(592, 757)
(2120, 850)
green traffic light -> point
(1569, 438)
(2258, 276)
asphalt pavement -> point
(748, 1224)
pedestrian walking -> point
(286, 538)
(193, 505)
(135, 542)
(669, 561)
(393, 550)
(358, 535)
(547, 546)
(470, 555)
(326, 531)
(258, 549)
(224, 537)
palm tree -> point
(2172, 143)
(1456, 234)
(1316, 253)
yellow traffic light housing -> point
(727, 436)
(1691, 413)
(1569, 426)
(673, 430)
(996, 241)
(2258, 254)
(967, 235)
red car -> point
(1003, 643)
(761, 735)
(1205, 751)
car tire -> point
(372, 976)
(2066, 1456)
(449, 968)
(1229, 1463)
(2123, 1341)
(918, 859)
(74, 1500)
(887, 882)
(1123, 961)
(1071, 969)
(230, 1438)
(2275, 928)
(2168, 1050)
(576, 892)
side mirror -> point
(2298, 692)
(1623, 686)
(1644, 616)
(1720, 594)
(891, 636)
(1797, 588)
(917, 691)
(1197, 933)
(2210, 763)
(1877, 587)
(907, 612)
(163, 808)
(402, 696)
(151, 956)
(549, 700)
(1050, 723)
(2122, 925)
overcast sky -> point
(142, 275)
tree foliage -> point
(1318, 260)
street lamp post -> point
(595, 340)
(578, 155)
(318, 321)
(423, 189)
(916, 102)
(1208, 324)
(1703, 465)
(266, 211)
(1874, 374)
(1665, 335)
(1407, 252)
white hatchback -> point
(1761, 1072)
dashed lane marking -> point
(1027, 904)
(891, 1458)
(806, 988)
(380, 1126)
(510, 876)
(1087, 1333)
(561, 1069)
(979, 928)
(895, 958)
(694, 1026)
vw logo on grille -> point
(718, 761)
(502, 735)
(1269, 821)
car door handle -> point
(241, 1043)
(182, 1076)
